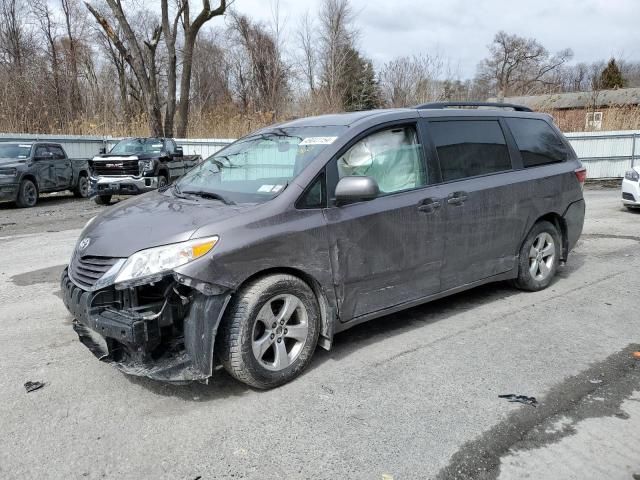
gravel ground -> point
(412, 395)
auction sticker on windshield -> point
(318, 141)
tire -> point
(103, 199)
(82, 188)
(162, 181)
(539, 257)
(27, 194)
(269, 317)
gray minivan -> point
(304, 229)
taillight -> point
(581, 175)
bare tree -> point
(307, 44)
(519, 66)
(337, 37)
(407, 81)
(191, 30)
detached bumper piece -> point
(153, 331)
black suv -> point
(301, 230)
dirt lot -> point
(412, 395)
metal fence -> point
(605, 154)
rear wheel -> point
(270, 331)
(103, 199)
(539, 257)
(27, 194)
(82, 188)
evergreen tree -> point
(611, 76)
(359, 85)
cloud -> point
(461, 29)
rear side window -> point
(468, 148)
(58, 154)
(537, 141)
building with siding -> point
(597, 110)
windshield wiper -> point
(211, 195)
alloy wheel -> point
(541, 256)
(280, 332)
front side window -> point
(131, 146)
(392, 157)
(42, 151)
(258, 167)
(468, 148)
(537, 142)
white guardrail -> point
(604, 154)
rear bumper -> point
(8, 192)
(574, 221)
(173, 344)
(121, 185)
(631, 193)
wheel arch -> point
(561, 225)
(327, 312)
(32, 177)
(164, 172)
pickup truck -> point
(137, 165)
(28, 169)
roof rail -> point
(443, 105)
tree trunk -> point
(185, 85)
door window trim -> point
(331, 167)
(514, 154)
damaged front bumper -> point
(163, 330)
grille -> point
(116, 167)
(87, 270)
(628, 196)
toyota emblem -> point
(84, 243)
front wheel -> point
(27, 194)
(539, 257)
(270, 331)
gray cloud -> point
(461, 29)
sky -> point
(460, 30)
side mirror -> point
(356, 189)
(102, 150)
(179, 152)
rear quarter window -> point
(469, 148)
(537, 141)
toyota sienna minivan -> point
(299, 231)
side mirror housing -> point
(102, 150)
(179, 152)
(356, 189)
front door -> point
(482, 205)
(386, 251)
(45, 167)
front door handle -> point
(428, 205)
(457, 198)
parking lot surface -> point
(412, 395)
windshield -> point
(138, 145)
(14, 150)
(257, 168)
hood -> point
(153, 219)
(12, 162)
(126, 156)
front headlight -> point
(162, 259)
(145, 165)
(632, 175)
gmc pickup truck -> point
(28, 169)
(137, 165)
